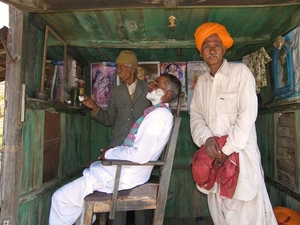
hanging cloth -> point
(257, 65)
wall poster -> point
(178, 70)
(102, 81)
(148, 71)
(194, 70)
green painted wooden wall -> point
(75, 149)
(81, 139)
(279, 194)
(187, 201)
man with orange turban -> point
(224, 104)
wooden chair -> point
(151, 195)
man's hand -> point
(103, 150)
(212, 148)
(221, 161)
(90, 103)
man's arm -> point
(106, 117)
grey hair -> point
(174, 85)
(129, 66)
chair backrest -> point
(166, 170)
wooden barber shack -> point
(58, 49)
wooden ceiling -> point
(97, 30)
(79, 5)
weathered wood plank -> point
(265, 137)
(287, 119)
(51, 146)
(286, 153)
(286, 142)
(54, 106)
(297, 151)
(44, 5)
(286, 131)
(33, 136)
(285, 146)
(11, 155)
(279, 107)
(50, 186)
(284, 189)
(100, 138)
(75, 142)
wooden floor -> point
(172, 221)
(192, 221)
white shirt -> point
(150, 140)
(131, 87)
(226, 104)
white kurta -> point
(226, 104)
(150, 140)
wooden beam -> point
(11, 155)
(283, 188)
(2, 51)
(171, 3)
(4, 45)
(79, 5)
(49, 186)
(154, 44)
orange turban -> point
(209, 28)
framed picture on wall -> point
(148, 71)
(177, 69)
(283, 72)
(102, 81)
(194, 70)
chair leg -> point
(103, 219)
(87, 214)
(158, 218)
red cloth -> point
(205, 174)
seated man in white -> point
(145, 142)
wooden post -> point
(11, 154)
(44, 59)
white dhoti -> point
(257, 211)
(67, 202)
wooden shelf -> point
(279, 106)
(55, 106)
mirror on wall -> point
(54, 67)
